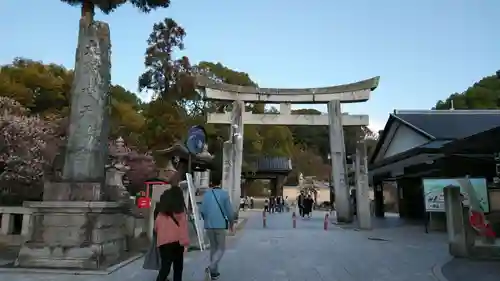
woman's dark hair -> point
(171, 201)
(216, 181)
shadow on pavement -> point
(468, 270)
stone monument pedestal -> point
(74, 234)
(72, 191)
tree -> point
(23, 140)
(222, 74)
(308, 162)
(217, 134)
(168, 78)
(165, 124)
(127, 119)
(108, 6)
(484, 94)
(44, 90)
(171, 82)
(142, 168)
(41, 88)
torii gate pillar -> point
(233, 156)
(338, 165)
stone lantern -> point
(202, 178)
(116, 168)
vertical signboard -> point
(227, 169)
(434, 197)
(196, 213)
(157, 189)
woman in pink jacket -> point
(171, 233)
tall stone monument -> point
(76, 226)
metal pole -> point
(330, 187)
(233, 157)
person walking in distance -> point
(242, 203)
(217, 213)
(287, 204)
(279, 203)
(172, 235)
(308, 206)
(300, 201)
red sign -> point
(150, 184)
(480, 224)
(144, 202)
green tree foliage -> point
(44, 89)
(317, 137)
(484, 94)
(277, 140)
(308, 161)
(268, 140)
(108, 6)
(217, 134)
(311, 137)
(222, 74)
(170, 81)
(166, 76)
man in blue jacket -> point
(217, 213)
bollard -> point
(264, 219)
(294, 220)
(325, 223)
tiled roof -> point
(451, 124)
(439, 125)
(274, 164)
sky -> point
(422, 50)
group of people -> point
(246, 202)
(305, 204)
(276, 204)
(171, 227)
(171, 234)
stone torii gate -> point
(332, 96)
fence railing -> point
(11, 234)
(8, 214)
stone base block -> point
(486, 250)
(73, 191)
(95, 256)
(81, 235)
(437, 222)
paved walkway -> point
(307, 253)
(467, 270)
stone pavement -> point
(467, 270)
(307, 253)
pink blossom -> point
(23, 139)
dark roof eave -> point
(465, 145)
(392, 118)
(402, 156)
(381, 138)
